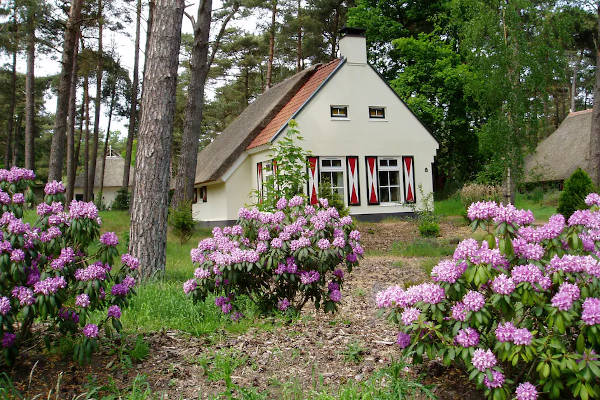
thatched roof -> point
(113, 173)
(218, 156)
(561, 153)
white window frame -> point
(376, 118)
(339, 117)
(331, 169)
(388, 169)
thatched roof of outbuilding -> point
(113, 173)
(218, 156)
(560, 154)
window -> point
(339, 111)
(389, 180)
(332, 172)
(79, 197)
(202, 193)
(377, 112)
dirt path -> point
(308, 352)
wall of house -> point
(357, 86)
(223, 200)
(108, 194)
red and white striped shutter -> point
(372, 182)
(353, 188)
(313, 180)
(408, 168)
(259, 181)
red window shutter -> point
(372, 181)
(408, 173)
(313, 180)
(353, 185)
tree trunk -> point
(271, 44)
(299, 56)
(134, 98)
(186, 169)
(11, 113)
(334, 34)
(595, 129)
(151, 7)
(79, 137)
(97, 106)
(57, 149)
(17, 145)
(148, 234)
(72, 160)
(110, 113)
(86, 156)
(30, 92)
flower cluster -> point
(48, 274)
(282, 259)
(515, 293)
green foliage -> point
(290, 175)
(353, 353)
(334, 198)
(181, 221)
(99, 202)
(140, 349)
(428, 228)
(475, 192)
(122, 200)
(423, 248)
(573, 195)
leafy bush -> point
(519, 311)
(181, 221)
(279, 260)
(428, 228)
(576, 188)
(334, 199)
(122, 200)
(51, 274)
(290, 175)
(474, 192)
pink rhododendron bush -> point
(279, 260)
(54, 274)
(519, 311)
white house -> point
(365, 141)
(113, 178)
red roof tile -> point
(301, 96)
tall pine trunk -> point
(10, 128)
(72, 158)
(299, 56)
(148, 234)
(30, 93)
(110, 113)
(86, 156)
(18, 141)
(595, 129)
(57, 148)
(134, 98)
(271, 44)
(186, 169)
(97, 105)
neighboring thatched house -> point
(561, 153)
(366, 142)
(113, 179)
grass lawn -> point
(542, 210)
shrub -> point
(576, 188)
(519, 311)
(279, 260)
(122, 200)
(52, 274)
(334, 199)
(181, 221)
(474, 192)
(290, 173)
(428, 228)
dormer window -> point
(339, 111)
(377, 112)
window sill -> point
(391, 204)
(378, 120)
(339, 119)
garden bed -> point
(279, 359)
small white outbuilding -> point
(366, 142)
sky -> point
(124, 46)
